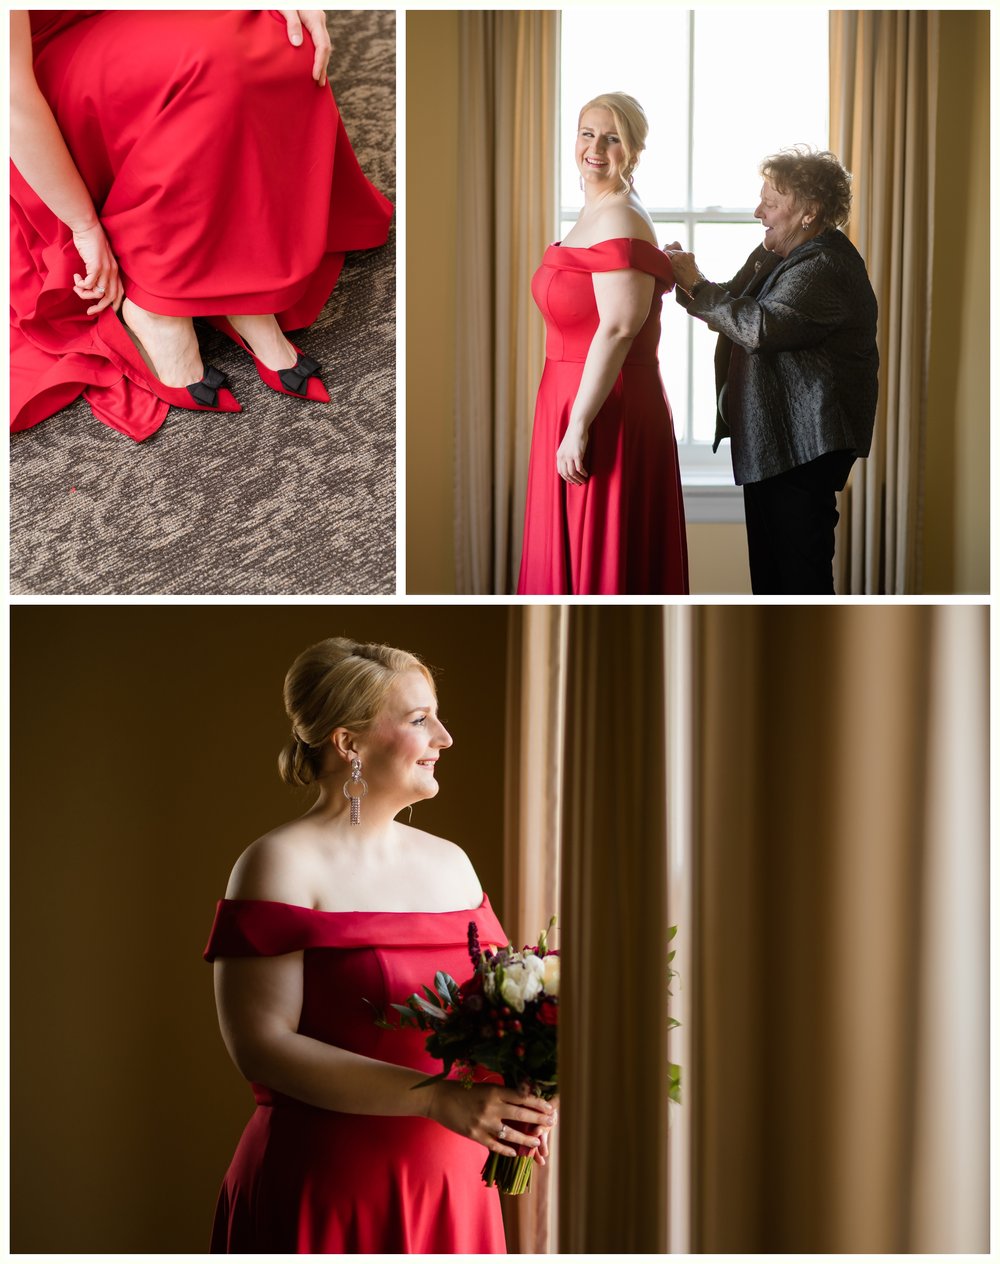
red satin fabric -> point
(223, 177)
(311, 1180)
(623, 530)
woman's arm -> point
(803, 306)
(623, 300)
(39, 152)
(260, 1001)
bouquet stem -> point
(509, 1175)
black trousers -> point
(790, 523)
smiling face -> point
(400, 751)
(600, 154)
(787, 222)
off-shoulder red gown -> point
(310, 1180)
(622, 531)
(223, 177)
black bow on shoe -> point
(207, 390)
(296, 378)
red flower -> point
(548, 1013)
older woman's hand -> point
(314, 21)
(101, 285)
(686, 271)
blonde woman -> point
(604, 510)
(337, 912)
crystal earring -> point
(355, 789)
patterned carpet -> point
(286, 497)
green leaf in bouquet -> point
(671, 932)
(428, 1007)
(674, 1082)
(446, 987)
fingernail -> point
(296, 39)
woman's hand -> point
(570, 454)
(686, 271)
(483, 1111)
(314, 20)
(101, 284)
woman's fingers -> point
(293, 25)
(315, 23)
(508, 1138)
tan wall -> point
(717, 558)
(956, 526)
(431, 212)
(144, 742)
(957, 520)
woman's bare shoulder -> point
(449, 860)
(277, 866)
(621, 219)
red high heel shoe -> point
(301, 380)
(208, 395)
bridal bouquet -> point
(504, 1018)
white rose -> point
(513, 986)
(550, 976)
(534, 969)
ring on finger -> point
(98, 289)
(502, 1133)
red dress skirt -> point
(621, 531)
(308, 1180)
(223, 177)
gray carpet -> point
(286, 497)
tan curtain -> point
(883, 107)
(840, 1070)
(536, 672)
(506, 214)
(613, 1036)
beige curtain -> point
(536, 670)
(613, 1037)
(840, 1070)
(883, 108)
(506, 213)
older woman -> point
(604, 512)
(796, 367)
(327, 918)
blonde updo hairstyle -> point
(338, 683)
(630, 124)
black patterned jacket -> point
(796, 365)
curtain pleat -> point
(506, 211)
(883, 105)
(536, 671)
(613, 1039)
(840, 1032)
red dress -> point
(622, 531)
(223, 177)
(310, 1180)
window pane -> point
(761, 84)
(634, 51)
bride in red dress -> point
(604, 510)
(340, 911)
(170, 164)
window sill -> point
(708, 500)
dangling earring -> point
(581, 183)
(355, 789)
